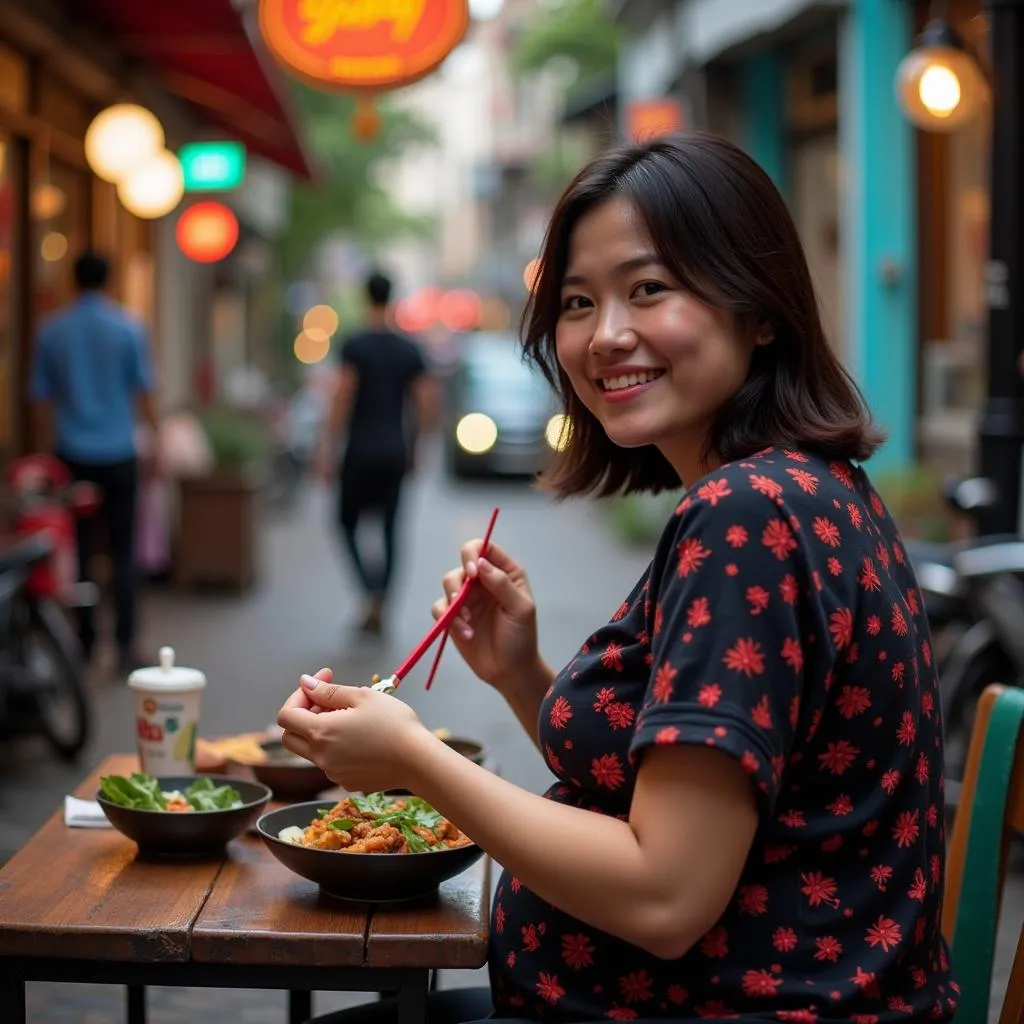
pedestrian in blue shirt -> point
(91, 376)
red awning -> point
(201, 51)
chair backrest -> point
(991, 809)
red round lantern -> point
(207, 231)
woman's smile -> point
(621, 384)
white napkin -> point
(84, 814)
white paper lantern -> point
(154, 188)
(120, 138)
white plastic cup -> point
(167, 705)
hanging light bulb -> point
(939, 84)
(120, 138)
(153, 188)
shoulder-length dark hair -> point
(722, 229)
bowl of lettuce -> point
(181, 815)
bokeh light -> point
(460, 310)
(558, 432)
(309, 349)
(531, 275)
(54, 247)
(153, 188)
(206, 232)
(476, 433)
(320, 319)
(121, 138)
(48, 201)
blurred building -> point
(895, 221)
(195, 65)
(476, 183)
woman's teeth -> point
(628, 380)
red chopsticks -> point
(441, 627)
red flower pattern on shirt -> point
(777, 608)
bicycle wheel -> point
(50, 653)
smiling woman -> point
(746, 823)
(687, 244)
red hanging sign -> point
(362, 44)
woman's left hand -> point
(361, 738)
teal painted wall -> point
(763, 101)
(879, 222)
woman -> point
(748, 820)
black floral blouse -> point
(780, 622)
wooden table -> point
(80, 905)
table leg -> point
(412, 1002)
(300, 1007)
(12, 999)
(136, 998)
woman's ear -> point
(765, 333)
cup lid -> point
(166, 676)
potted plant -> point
(219, 510)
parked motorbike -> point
(973, 594)
(42, 686)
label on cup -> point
(165, 727)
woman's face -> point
(652, 363)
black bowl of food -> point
(471, 749)
(377, 848)
(289, 775)
(181, 815)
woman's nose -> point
(613, 331)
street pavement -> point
(297, 619)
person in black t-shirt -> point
(382, 401)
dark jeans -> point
(119, 482)
(370, 488)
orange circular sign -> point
(362, 44)
(207, 232)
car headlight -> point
(558, 432)
(476, 433)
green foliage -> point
(638, 519)
(581, 30)
(557, 166)
(237, 440)
(346, 195)
(913, 495)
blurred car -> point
(501, 417)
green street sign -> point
(212, 166)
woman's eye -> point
(650, 288)
(575, 302)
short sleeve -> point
(41, 379)
(727, 666)
(141, 373)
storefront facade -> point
(895, 221)
(953, 213)
(55, 76)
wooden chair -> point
(991, 810)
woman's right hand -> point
(496, 629)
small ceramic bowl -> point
(368, 877)
(290, 776)
(191, 833)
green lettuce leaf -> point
(203, 795)
(138, 790)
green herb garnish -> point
(342, 824)
(416, 813)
